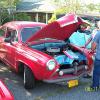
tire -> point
(29, 80)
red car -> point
(5, 93)
(32, 49)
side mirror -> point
(7, 40)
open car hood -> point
(60, 29)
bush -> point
(22, 16)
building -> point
(40, 11)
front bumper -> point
(65, 78)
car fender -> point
(5, 94)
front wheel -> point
(29, 80)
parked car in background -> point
(42, 52)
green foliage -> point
(8, 3)
(4, 5)
(91, 7)
(98, 7)
(60, 10)
(22, 16)
(68, 7)
(1, 33)
(77, 6)
(16, 2)
(3, 16)
(19, 16)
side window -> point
(2, 32)
(27, 32)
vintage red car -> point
(5, 93)
(33, 49)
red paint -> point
(34, 59)
(5, 93)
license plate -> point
(72, 83)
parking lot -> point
(44, 91)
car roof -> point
(21, 24)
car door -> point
(10, 47)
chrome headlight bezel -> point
(51, 64)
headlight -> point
(51, 64)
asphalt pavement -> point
(45, 91)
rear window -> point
(28, 32)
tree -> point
(91, 7)
(8, 3)
(22, 16)
(6, 7)
(67, 6)
(98, 7)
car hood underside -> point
(60, 29)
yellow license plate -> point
(72, 83)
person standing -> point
(82, 34)
(96, 72)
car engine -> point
(61, 51)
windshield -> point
(27, 32)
